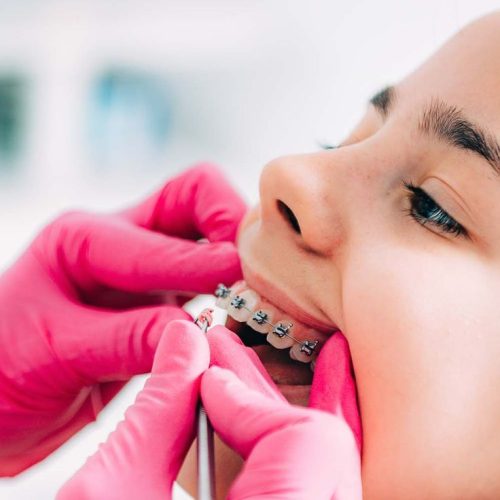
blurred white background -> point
(101, 101)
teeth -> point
(276, 336)
(238, 304)
(223, 295)
(304, 351)
(245, 305)
(256, 321)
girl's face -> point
(399, 246)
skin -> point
(418, 306)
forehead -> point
(464, 72)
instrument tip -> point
(205, 318)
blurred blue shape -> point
(12, 119)
(130, 119)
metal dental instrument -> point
(205, 441)
(307, 346)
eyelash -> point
(425, 210)
(326, 145)
(420, 200)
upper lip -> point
(275, 296)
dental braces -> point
(260, 317)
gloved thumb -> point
(290, 452)
(334, 389)
(240, 415)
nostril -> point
(289, 216)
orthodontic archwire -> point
(307, 346)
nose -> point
(301, 193)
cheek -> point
(423, 330)
(414, 310)
(249, 218)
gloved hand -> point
(80, 309)
(290, 452)
(142, 457)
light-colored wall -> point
(249, 80)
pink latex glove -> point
(82, 309)
(290, 452)
(142, 457)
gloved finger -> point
(112, 346)
(197, 203)
(290, 452)
(228, 351)
(242, 415)
(106, 250)
(111, 298)
(314, 457)
(142, 457)
(333, 388)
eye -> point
(426, 211)
(326, 145)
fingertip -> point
(217, 370)
(222, 373)
(181, 340)
(225, 264)
(182, 327)
(220, 383)
(335, 342)
(179, 323)
(340, 340)
(334, 388)
(204, 265)
(334, 356)
(217, 375)
(222, 394)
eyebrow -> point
(447, 123)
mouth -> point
(287, 346)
